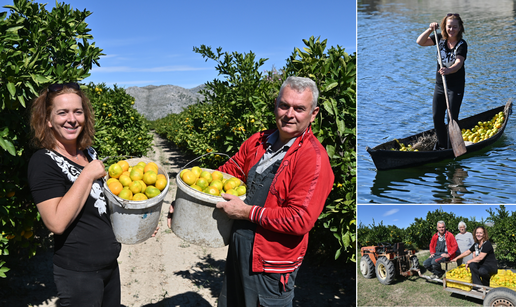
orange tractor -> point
(387, 261)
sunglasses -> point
(450, 14)
(58, 87)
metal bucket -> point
(196, 220)
(135, 221)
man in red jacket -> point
(443, 247)
(288, 177)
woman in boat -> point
(464, 240)
(454, 51)
(65, 178)
(483, 264)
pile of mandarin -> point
(139, 182)
(484, 130)
(459, 273)
(211, 183)
(504, 278)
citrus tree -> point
(334, 71)
(503, 233)
(37, 48)
(119, 129)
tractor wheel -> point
(385, 271)
(367, 267)
(500, 297)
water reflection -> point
(395, 87)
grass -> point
(408, 291)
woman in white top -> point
(464, 241)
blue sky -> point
(151, 43)
(404, 215)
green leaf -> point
(7, 146)
(331, 86)
(11, 88)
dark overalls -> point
(433, 264)
(242, 287)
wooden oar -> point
(456, 140)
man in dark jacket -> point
(443, 248)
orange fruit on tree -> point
(149, 177)
(115, 187)
(189, 177)
(124, 164)
(160, 183)
(139, 197)
(126, 194)
(115, 170)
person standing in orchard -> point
(288, 177)
(65, 179)
(453, 50)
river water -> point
(395, 83)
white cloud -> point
(391, 212)
(112, 69)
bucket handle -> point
(215, 153)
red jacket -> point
(451, 244)
(295, 200)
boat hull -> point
(385, 158)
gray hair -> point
(441, 222)
(461, 223)
(300, 84)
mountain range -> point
(155, 102)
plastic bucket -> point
(196, 220)
(135, 221)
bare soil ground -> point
(167, 271)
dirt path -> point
(167, 271)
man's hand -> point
(445, 255)
(234, 207)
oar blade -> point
(456, 140)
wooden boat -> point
(385, 158)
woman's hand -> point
(445, 71)
(170, 214)
(434, 26)
(94, 170)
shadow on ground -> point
(29, 282)
(188, 299)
